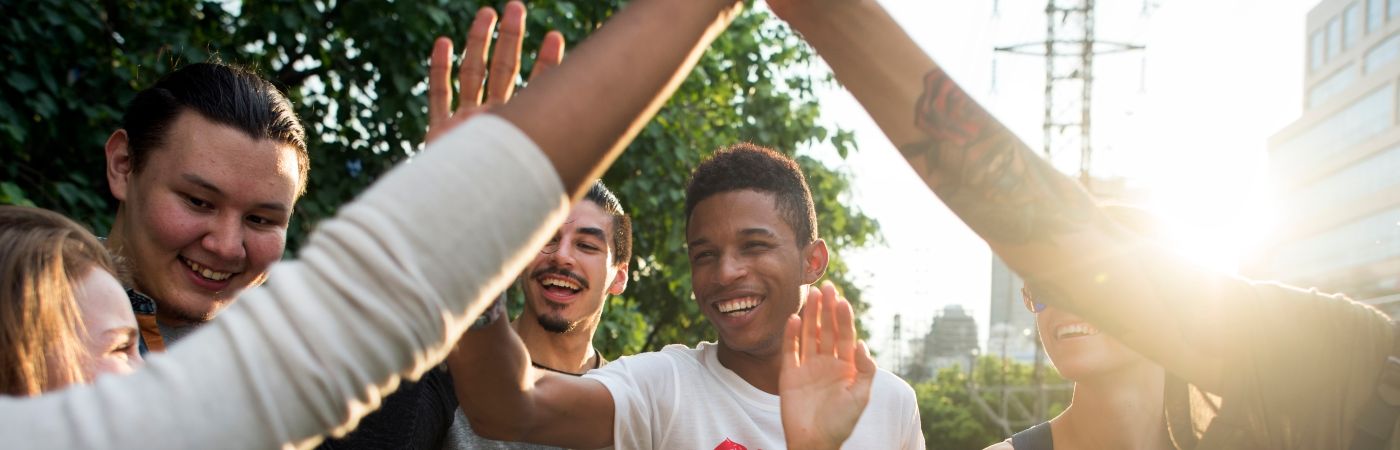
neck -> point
(1122, 409)
(116, 238)
(760, 371)
(571, 351)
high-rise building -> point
(1336, 170)
(1011, 329)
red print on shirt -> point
(730, 445)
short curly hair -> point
(751, 167)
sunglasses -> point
(1031, 305)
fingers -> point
(473, 70)
(791, 332)
(440, 83)
(550, 55)
(845, 326)
(828, 319)
(505, 64)
(811, 312)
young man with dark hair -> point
(206, 169)
(565, 287)
(754, 251)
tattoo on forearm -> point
(986, 174)
(495, 312)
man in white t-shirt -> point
(752, 239)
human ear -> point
(119, 164)
(814, 261)
(619, 282)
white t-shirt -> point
(683, 398)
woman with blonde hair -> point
(61, 307)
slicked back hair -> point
(600, 195)
(221, 93)
(747, 166)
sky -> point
(1186, 120)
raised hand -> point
(826, 375)
(472, 75)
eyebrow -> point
(123, 331)
(209, 186)
(764, 232)
(759, 231)
(595, 232)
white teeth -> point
(737, 304)
(206, 272)
(1075, 330)
(560, 283)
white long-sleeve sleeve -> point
(379, 293)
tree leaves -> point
(356, 71)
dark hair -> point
(621, 223)
(224, 94)
(747, 166)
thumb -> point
(865, 373)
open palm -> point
(826, 375)
(473, 76)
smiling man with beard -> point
(565, 288)
(754, 252)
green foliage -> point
(356, 72)
(951, 417)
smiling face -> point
(206, 215)
(109, 326)
(567, 283)
(747, 269)
(1078, 350)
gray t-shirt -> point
(461, 437)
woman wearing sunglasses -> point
(1120, 397)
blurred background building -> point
(1336, 169)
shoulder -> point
(888, 386)
(1003, 445)
(645, 365)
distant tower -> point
(1069, 48)
(897, 344)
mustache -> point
(583, 284)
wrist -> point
(493, 313)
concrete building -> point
(951, 339)
(1336, 170)
(1011, 330)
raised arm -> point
(1038, 220)
(656, 41)
(614, 82)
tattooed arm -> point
(1038, 220)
